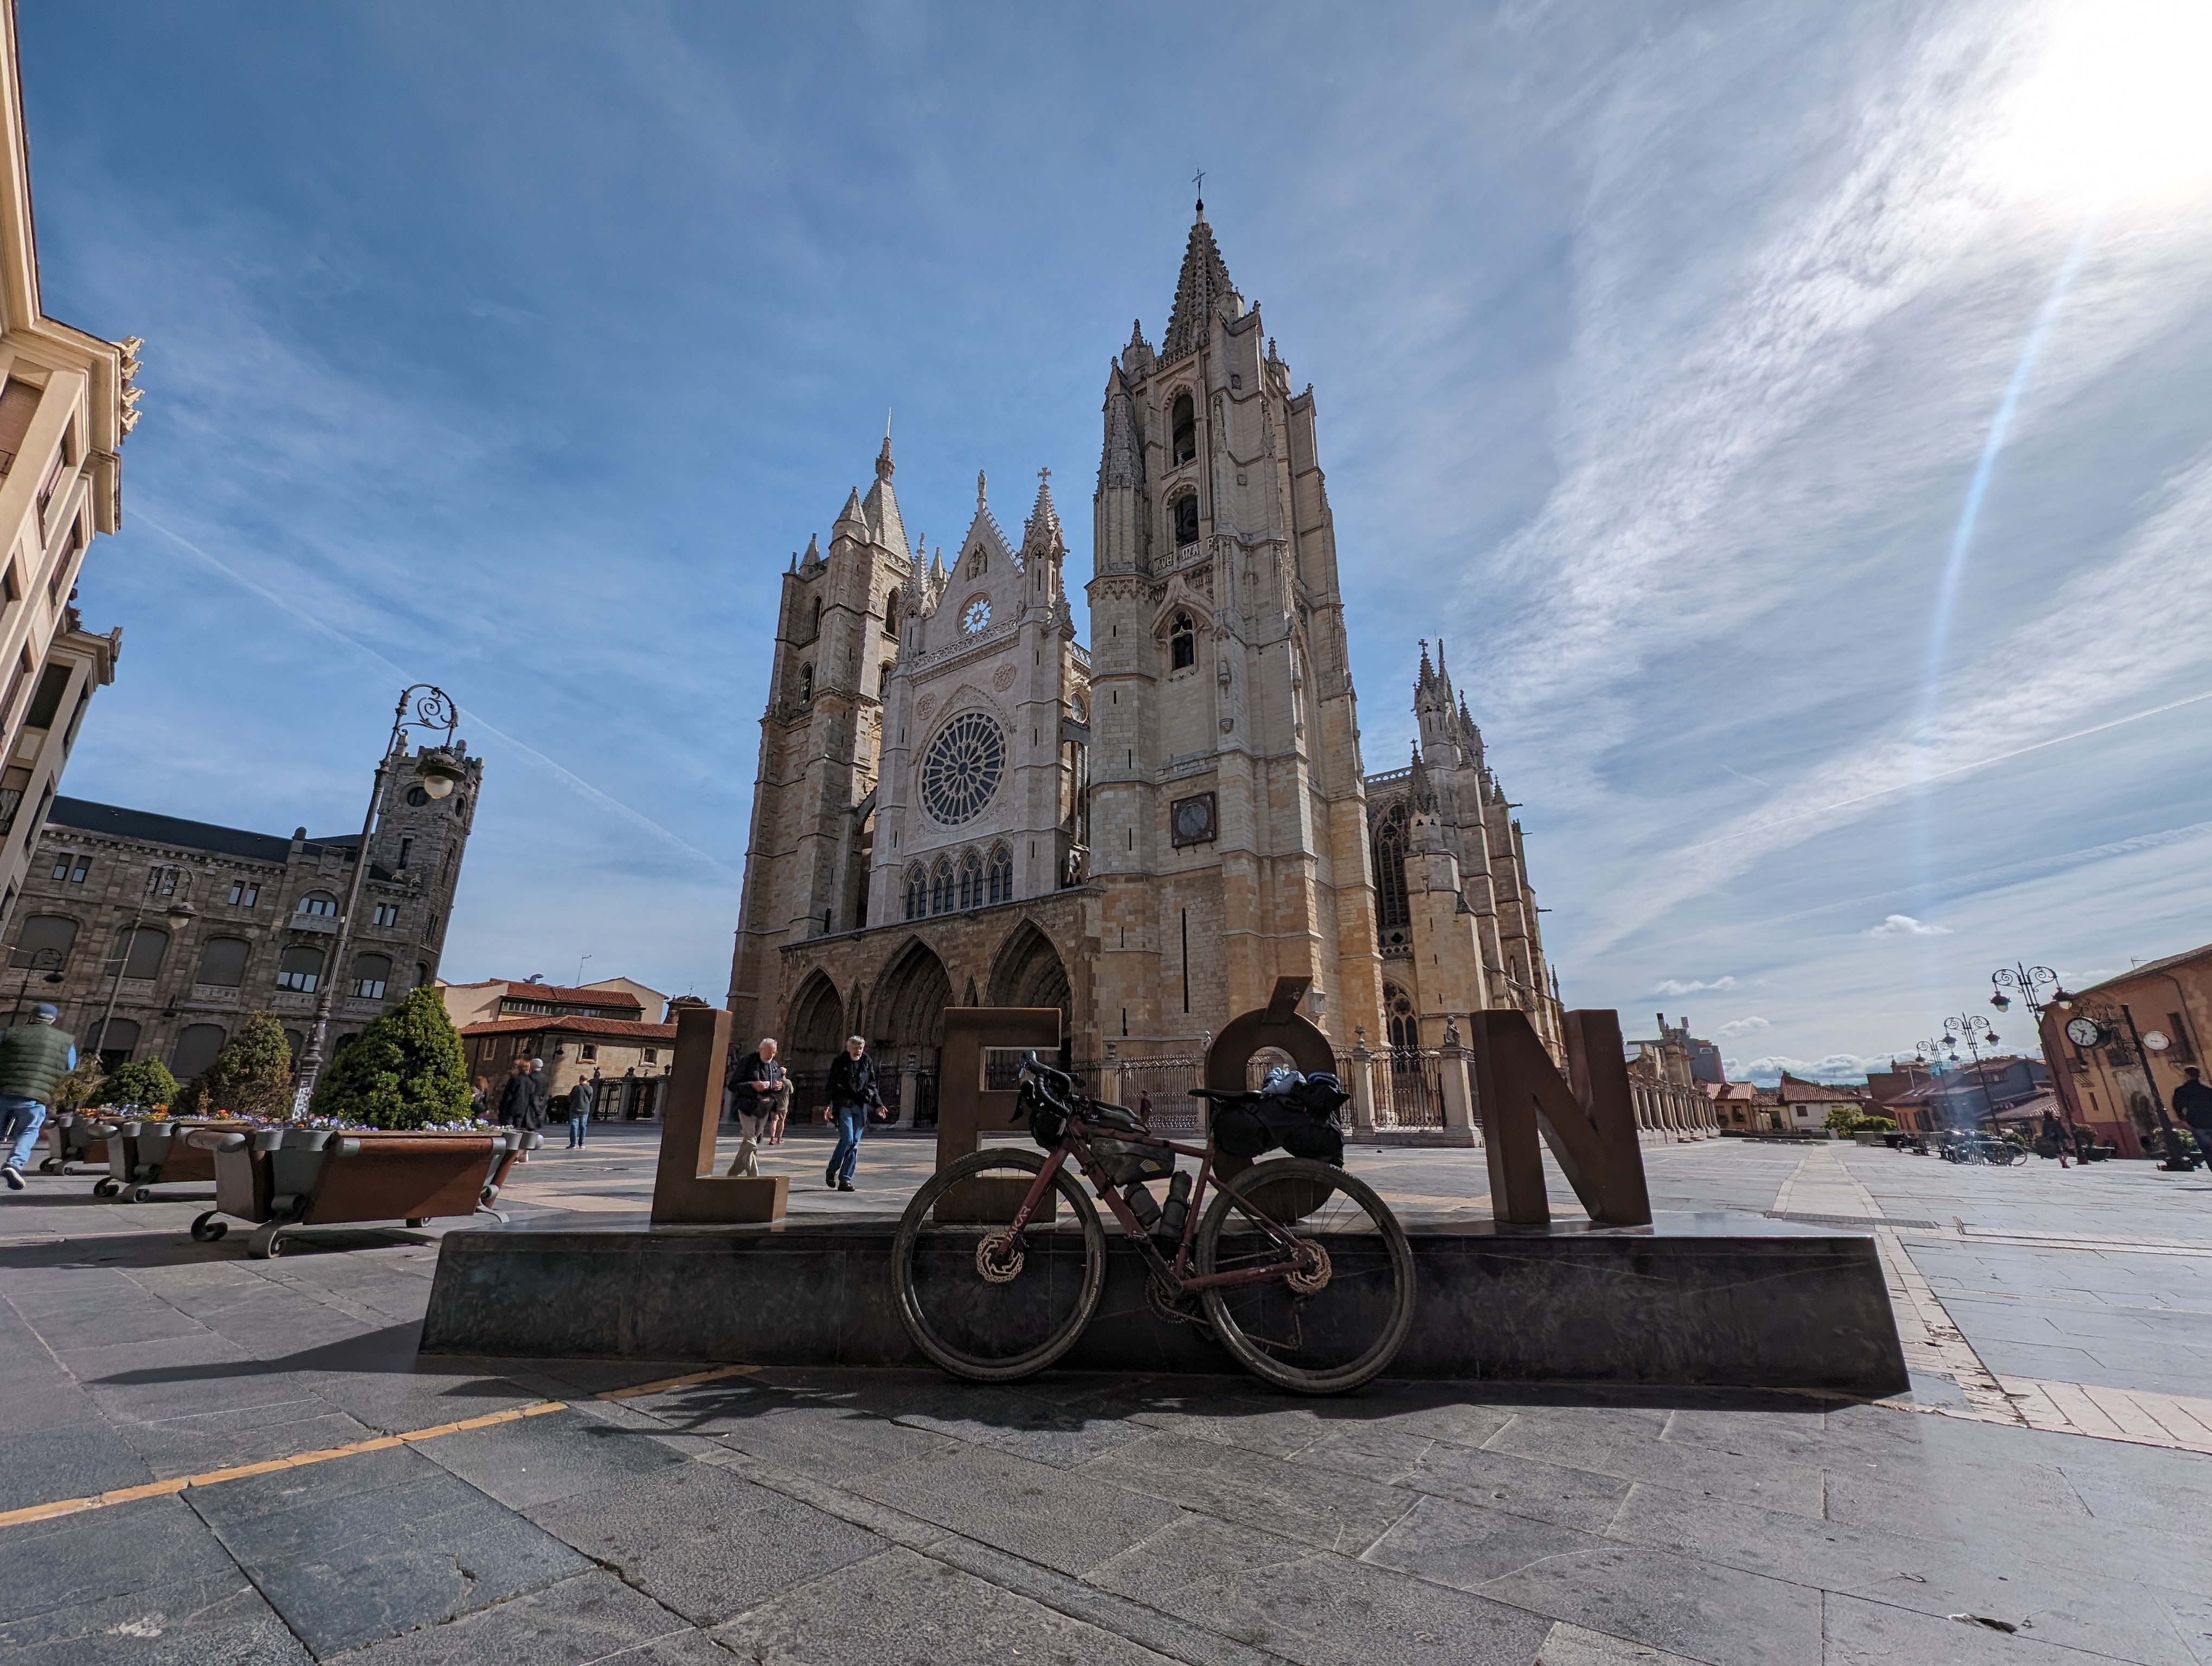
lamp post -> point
(422, 706)
(178, 915)
(1973, 1028)
(47, 960)
(2023, 981)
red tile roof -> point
(553, 1022)
(1795, 1090)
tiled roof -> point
(2148, 969)
(560, 994)
(551, 1023)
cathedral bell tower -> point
(1228, 807)
(806, 861)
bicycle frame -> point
(1074, 1143)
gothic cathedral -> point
(956, 805)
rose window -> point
(975, 616)
(961, 770)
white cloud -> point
(1835, 1068)
(1676, 986)
(1904, 925)
(1744, 1026)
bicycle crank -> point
(1313, 1277)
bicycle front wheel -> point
(1338, 1298)
(980, 1303)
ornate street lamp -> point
(1973, 1029)
(2023, 981)
(48, 961)
(178, 915)
(423, 706)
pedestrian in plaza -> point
(759, 1090)
(579, 1111)
(483, 1104)
(34, 1058)
(2192, 1103)
(853, 1092)
(514, 1093)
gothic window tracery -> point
(1392, 912)
(917, 894)
(971, 881)
(1184, 510)
(1398, 1012)
(805, 683)
(1183, 643)
(975, 615)
(1002, 875)
(977, 561)
(1184, 428)
(814, 622)
(891, 613)
(941, 887)
(961, 770)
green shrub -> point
(145, 1083)
(251, 1077)
(1873, 1125)
(404, 1070)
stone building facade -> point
(1456, 917)
(262, 919)
(66, 403)
(957, 804)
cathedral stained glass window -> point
(1002, 875)
(960, 771)
(971, 881)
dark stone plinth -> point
(1710, 1301)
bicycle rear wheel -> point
(984, 1307)
(1335, 1316)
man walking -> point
(34, 1058)
(758, 1088)
(2192, 1103)
(579, 1111)
(853, 1094)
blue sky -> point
(1659, 350)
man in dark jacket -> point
(34, 1058)
(758, 1088)
(579, 1111)
(853, 1092)
(2192, 1103)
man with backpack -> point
(33, 1059)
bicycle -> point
(1300, 1269)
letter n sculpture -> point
(1588, 1119)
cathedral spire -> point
(1202, 286)
(1041, 535)
(881, 510)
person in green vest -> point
(33, 1057)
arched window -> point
(300, 969)
(971, 881)
(814, 620)
(222, 963)
(1391, 911)
(1398, 1012)
(940, 888)
(116, 1040)
(1185, 428)
(917, 894)
(196, 1046)
(321, 903)
(371, 972)
(1002, 875)
(143, 951)
(884, 680)
(891, 613)
(45, 939)
(1185, 511)
(805, 683)
(1183, 643)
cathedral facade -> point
(958, 803)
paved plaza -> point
(296, 1484)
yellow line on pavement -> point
(667, 1383)
(155, 1489)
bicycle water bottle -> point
(1141, 1205)
(1178, 1206)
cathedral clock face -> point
(2085, 1032)
(960, 771)
(1190, 821)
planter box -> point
(73, 1137)
(143, 1155)
(283, 1180)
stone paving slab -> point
(826, 1517)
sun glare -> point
(2116, 111)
